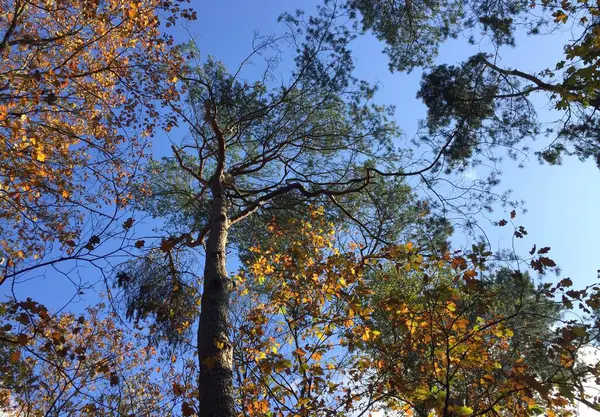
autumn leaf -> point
(470, 274)
(186, 409)
(266, 366)
(40, 156)
(15, 356)
(300, 352)
(114, 379)
(128, 223)
(94, 240)
(166, 245)
(22, 339)
(566, 282)
(560, 16)
(547, 262)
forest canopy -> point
(137, 169)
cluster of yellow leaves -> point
(302, 342)
(78, 82)
(447, 348)
(304, 294)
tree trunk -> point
(215, 353)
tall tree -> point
(317, 136)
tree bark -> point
(215, 352)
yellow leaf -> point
(366, 335)
(40, 156)
(560, 17)
(461, 323)
(132, 11)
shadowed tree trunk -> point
(214, 349)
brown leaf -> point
(15, 356)
(114, 379)
(128, 223)
(547, 262)
(565, 282)
(166, 245)
(22, 339)
(470, 274)
(186, 409)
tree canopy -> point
(413, 31)
(349, 294)
(80, 88)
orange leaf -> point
(15, 356)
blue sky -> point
(561, 201)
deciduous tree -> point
(81, 85)
(325, 331)
(63, 364)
